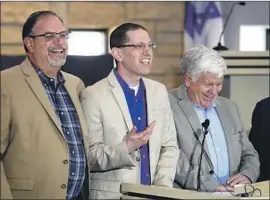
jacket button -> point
(137, 158)
(63, 186)
(65, 162)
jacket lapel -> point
(150, 102)
(38, 89)
(120, 99)
(223, 116)
(187, 107)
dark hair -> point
(118, 36)
(32, 20)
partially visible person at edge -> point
(132, 135)
(260, 136)
(229, 157)
(42, 124)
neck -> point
(130, 78)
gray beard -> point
(57, 63)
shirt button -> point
(73, 173)
(63, 186)
(137, 159)
(139, 118)
(72, 152)
(65, 162)
(51, 80)
(62, 113)
(68, 132)
(147, 174)
(143, 156)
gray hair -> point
(201, 59)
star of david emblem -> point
(195, 21)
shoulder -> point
(264, 102)
(97, 89)
(13, 71)
(225, 101)
(154, 84)
(71, 77)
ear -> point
(117, 54)
(187, 79)
(28, 42)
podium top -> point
(245, 54)
(155, 192)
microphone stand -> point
(220, 47)
(205, 131)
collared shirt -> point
(137, 109)
(216, 142)
(67, 116)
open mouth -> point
(145, 61)
(57, 51)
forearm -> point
(106, 157)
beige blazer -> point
(33, 147)
(243, 158)
(108, 121)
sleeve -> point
(101, 157)
(5, 140)
(256, 128)
(169, 152)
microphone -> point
(219, 46)
(205, 126)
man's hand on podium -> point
(238, 179)
(221, 188)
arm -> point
(255, 135)
(169, 152)
(5, 141)
(101, 156)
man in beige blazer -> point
(229, 158)
(131, 131)
(42, 123)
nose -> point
(214, 89)
(59, 39)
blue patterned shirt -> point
(70, 124)
(137, 109)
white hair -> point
(201, 59)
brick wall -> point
(164, 21)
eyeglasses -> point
(139, 45)
(52, 36)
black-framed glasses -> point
(52, 36)
(139, 45)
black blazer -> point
(260, 136)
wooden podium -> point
(137, 191)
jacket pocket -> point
(20, 184)
(105, 185)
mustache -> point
(57, 47)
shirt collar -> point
(44, 78)
(208, 108)
(124, 84)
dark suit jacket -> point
(260, 135)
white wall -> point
(253, 13)
(246, 91)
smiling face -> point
(204, 89)
(47, 52)
(135, 62)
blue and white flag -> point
(203, 24)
